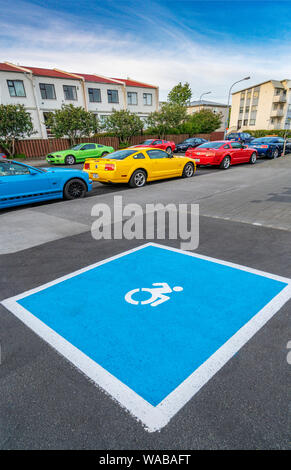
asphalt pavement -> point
(47, 403)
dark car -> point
(271, 147)
(243, 137)
(190, 143)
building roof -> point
(8, 68)
(96, 78)
(129, 82)
(275, 83)
(41, 72)
(207, 103)
(55, 73)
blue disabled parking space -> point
(152, 316)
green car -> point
(79, 153)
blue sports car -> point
(271, 147)
(24, 184)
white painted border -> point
(154, 418)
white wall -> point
(104, 107)
(140, 108)
(37, 105)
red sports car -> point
(167, 145)
(223, 153)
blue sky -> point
(207, 43)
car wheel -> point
(275, 154)
(138, 179)
(188, 170)
(70, 160)
(225, 164)
(253, 158)
(104, 154)
(75, 189)
(169, 151)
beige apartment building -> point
(196, 106)
(263, 106)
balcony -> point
(277, 113)
(279, 98)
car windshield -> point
(76, 147)
(121, 154)
(187, 141)
(232, 136)
(147, 142)
(211, 145)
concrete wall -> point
(37, 106)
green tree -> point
(15, 124)
(171, 115)
(123, 124)
(180, 94)
(202, 122)
(72, 121)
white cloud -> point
(37, 37)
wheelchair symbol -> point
(157, 294)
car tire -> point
(253, 158)
(225, 164)
(138, 179)
(75, 189)
(275, 154)
(70, 160)
(169, 151)
(104, 154)
(188, 170)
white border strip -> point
(154, 418)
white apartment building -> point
(44, 90)
(263, 106)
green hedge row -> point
(264, 132)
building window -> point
(242, 95)
(94, 95)
(246, 122)
(131, 97)
(249, 94)
(147, 99)
(252, 122)
(47, 91)
(70, 92)
(16, 88)
(241, 110)
(247, 109)
(112, 96)
(239, 123)
(277, 91)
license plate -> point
(197, 160)
(95, 175)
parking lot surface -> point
(47, 400)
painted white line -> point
(154, 418)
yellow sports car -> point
(136, 166)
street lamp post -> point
(202, 94)
(229, 93)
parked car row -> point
(271, 147)
(136, 165)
